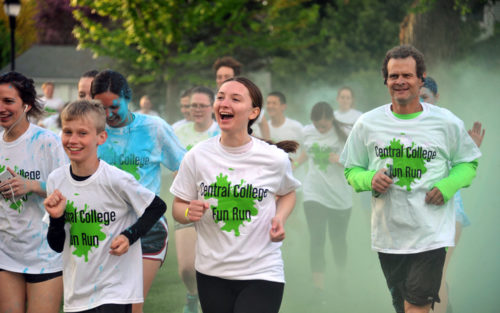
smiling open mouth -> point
(226, 116)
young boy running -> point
(93, 210)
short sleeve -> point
(133, 193)
(463, 149)
(354, 153)
(184, 184)
(288, 182)
(53, 152)
(172, 152)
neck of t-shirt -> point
(238, 150)
(76, 177)
(407, 116)
(278, 121)
(17, 129)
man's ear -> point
(424, 75)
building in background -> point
(61, 64)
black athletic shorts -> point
(415, 277)
(218, 295)
(38, 278)
(110, 308)
(155, 243)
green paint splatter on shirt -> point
(321, 156)
(129, 168)
(189, 147)
(16, 203)
(233, 210)
(84, 235)
(406, 169)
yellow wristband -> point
(186, 214)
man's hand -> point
(434, 197)
(381, 182)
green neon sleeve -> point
(359, 178)
(461, 175)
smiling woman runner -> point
(30, 272)
(138, 144)
(228, 186)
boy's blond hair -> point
(83, 109)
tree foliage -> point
(312, 41)
(444, 30)
(319, 40)
(349, 36)
(55, 22)
(177, 38)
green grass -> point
(168, 293)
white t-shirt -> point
(23, 235)
(189, 137)
(98, 209)
(51, 123)
(325, 181)
(419, 150)
(347, 118)
(179, 123)
(140, 147)
(241, 186)
(54, 104)
(289, 130)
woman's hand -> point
(196, 209)
(14, 186)
(333, 158)
(19, 186)
(477, 133)
(284, 207)
(277, 232)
